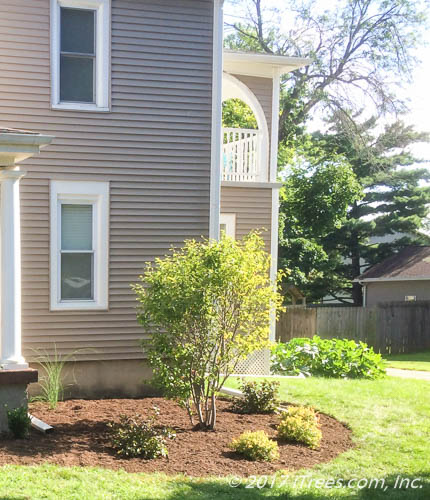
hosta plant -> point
(340, 358)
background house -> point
(404, 276)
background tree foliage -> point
(347, 194)
(314, 203)
(237, 114)
(396, 197)
(356, 46)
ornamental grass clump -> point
(256, 446)
(207, 306)
(300, 424)
(51, 382)
(258, 397)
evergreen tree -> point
(394, 204)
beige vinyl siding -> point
(395, 291)
(253, 209)
(153, 148)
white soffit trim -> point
(374, 280)
(216, 136)
(253, 64)
(251, 184)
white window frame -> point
(102, 39)
(82, 193)
(230, 224)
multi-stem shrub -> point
(256, 446)
(139, 437)
(327, 358)
(18, 422)
(300, 425)
(258, 397)
(207, 306)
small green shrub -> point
(137, 437)
(300, 425)
(256, 446)
(327, 358)
(304, 412)
(258, 397)
(19, 422)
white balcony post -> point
(10, 227)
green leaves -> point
(139, 437)
(258, 397)
(237, 114)
(207, 306)
(256, 446)
(327, 358)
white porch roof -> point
(18, 145)
(263, 65)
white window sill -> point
(69, 106)
(78, 306)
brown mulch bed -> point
(79, 438)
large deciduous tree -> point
(361, 51)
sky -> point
(418, 92)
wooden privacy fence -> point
(390, 328)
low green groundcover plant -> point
(258, 397)
(300, 424)
(18, 422)
(256, 446)
(327, 358)
(139, 437)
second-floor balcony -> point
(242, 155)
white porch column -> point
(10, 231)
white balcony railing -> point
(241, 158)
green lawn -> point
(415, 361)
(390, 420)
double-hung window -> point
(79, 245)
(80, 54)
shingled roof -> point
(411, 263)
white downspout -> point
(216, 136)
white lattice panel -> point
(258, 363)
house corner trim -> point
(215, 176)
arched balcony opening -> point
(246, 142)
